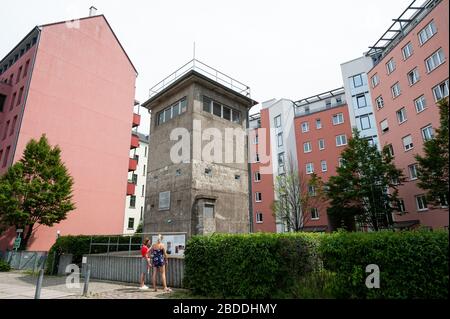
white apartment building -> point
(134, 205)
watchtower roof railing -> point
(202, 68)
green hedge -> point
(4, 266)
(412, 264)
(79, 246)
(248, 266)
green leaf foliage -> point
(4, 266)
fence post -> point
(109, 242)
(86, 280)
(90, 245)
(37, 294)
(129, 247)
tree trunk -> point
(26, 237)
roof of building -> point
(143, 137)
(320, 97)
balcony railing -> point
(136, 120)
(134, 141)
(131, 188)
(300, 110)
(132, 165)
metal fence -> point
(128, 269)
(25, 260)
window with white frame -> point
(427, 133)
(395, 89)
(365, 122)
(318, 124)
(305, 127)
(278, 121)
(312, 191)
(307, 147)
(435, 60)
(172, 111)
(426, 33)
(357, 80)
(259, 218)
(407, 51)
(413, 76)
(384, 126)
(341, 140)
(220, 110)
(280, 139)
(412, 169)
(420, 103)
(309, 168)
(280, 159)
(379, 101)
(375, 80)
(390, 66)
(338, 118)
(315, 213)
(361, 101)
(401, 205)
(390, 150)
(421, 203)
(258, 197)
(440, 91)
(407, 143)
(257, 176)
(324, 166)
(401, 115)
(321, 144)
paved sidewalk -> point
(20, 285)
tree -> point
(36, 190)
(432, 170)
(296, 195)
(140, 228)
(365, 187)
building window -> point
(1, 155)
(142, 213)
(280, 139)
(338, 118)
(178, 172)
(338, 101)
(312, 191)
(257, 176)
(380, 102)
(401, 115)
(305, 127)
(5, 159)
(314, 213)
(421, 203)
(256, 140)
(413, 77)
(340, 162)
(172, 111)
(143, 191)
(19, 74)
(257, 158)
(278, 121)
(365, 122)
(361, 101)
(27, 65)
(412, 169)
(5, 133)
(280, 159)
(208, 172)
(440, 91)
(2, 102)
(130, 223)
(328, 104)
(318, 124)
(375, 80)
(132, 201)
(309, 168)
(19, 100)
(407, 51)
(407, 143)
(427, 133)
(435, 60)
(324, 166)
(321, 144)
(145, 151)
(164, 200)
(420, 104)
(401, 205)
(357, 81)
(384, 126)
(144, 171)
(237, 177)
(220, 110)
(395, 89)
(390, 66)
(13, 100)
(341, 140)
(259, 218)
(307, 147)
(258, 197)
(13, 126)
(426, 33)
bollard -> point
(86, 280)
(37, 294)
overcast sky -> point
(281, 49)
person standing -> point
(145, 263)
(159, 262)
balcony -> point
(134, 141)
(136, 120)
(131, 188)
(132, 164)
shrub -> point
(4, 266)
(412, 264)
(248, 266)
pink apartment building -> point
(410, 75)
(74, 82)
